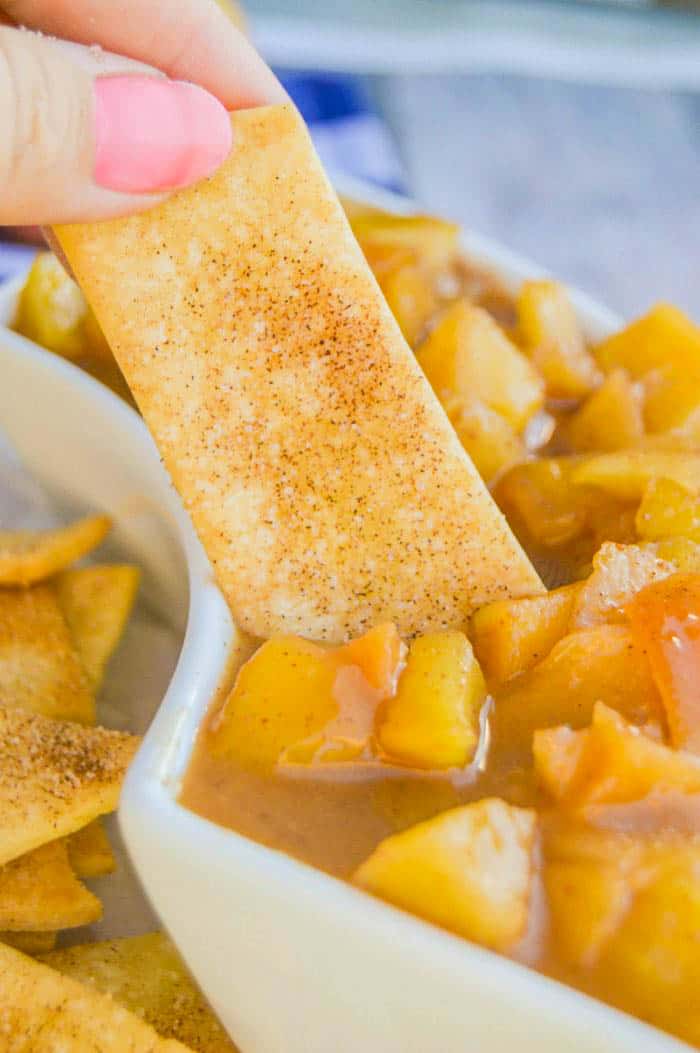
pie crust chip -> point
(325, 482)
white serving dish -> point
(294, 961)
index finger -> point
(188, 39)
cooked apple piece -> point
(560, 753)
(627, 474)
(590, 877)
(672, 401)
(385, 259)
(511, 636)
(379, 653)
(469, 355)
(610, 418)
(611, 520)
(668, 510)
(281, 703)
(619, 572)
(468, 870)
(602, 663)
(665, 620)
(550, 333)
(433, 719)
(650, 966)
(681, 551)
(52, 309)
(587, 901)
(610, 762)
(569, 838)
(409, 292)
(663, 337)
(435, 241)
(295, 702)
(541, 494)
(490, 440)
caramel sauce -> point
(334, 815)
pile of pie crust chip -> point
(59, 773)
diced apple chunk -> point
(619, 572)
(469, 870)
(409, 293)
(681, 551)
(609, 762)
(602, 663)
(550, 333)
(611, 520)
(665, 620)
(589, 877)
(651, 964)
(407, 254)
(628, 906)
(587, 901)
(541, 495)
(294, 702)
(668, 510)
(52, 308)
(433, 240)
(469, 355)
(379, 654)
(672, 401)
(626, 474)
(490, 440)
(560, 754)
(433, 719)
(511, 636)
(283, 697)
(610, 418)
(663, 337)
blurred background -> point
(567, 129)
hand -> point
(87, 133)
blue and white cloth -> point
(347, 130)
(349, 134)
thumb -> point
(88, 136)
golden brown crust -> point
(39, 667)
(28, 556)
(146, 975)
(42, 1010)
(30, 942)
(40, 892)
(323, 478)
(90, 852)
(55, 777)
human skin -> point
(106, 109)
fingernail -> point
(153, 134)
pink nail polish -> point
(153, 134)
